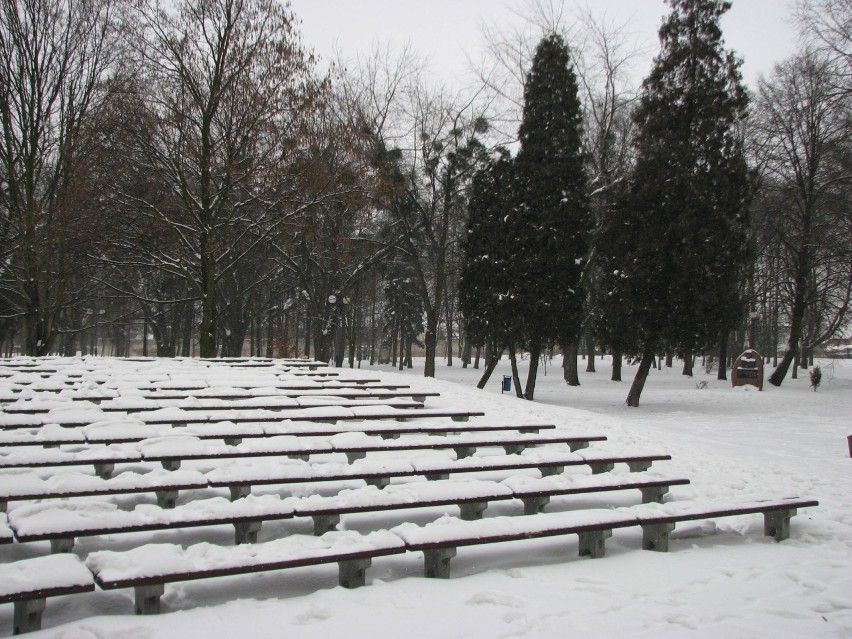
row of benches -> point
(239, 478)
(148, 568)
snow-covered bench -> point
(60, 523)
(24, 485)
(29, 582)
(440, 540)
(172, 451)
(148, 568)
(129, 430)
(240, 477)
(325, 414)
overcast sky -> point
(446, 32)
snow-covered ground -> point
(722, 579)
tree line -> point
(188, 171)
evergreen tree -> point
(488, 250)
(403, 312)
(551, 220)
(675, 251)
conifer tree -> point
(551, 221)
(488, 251)
(675, 251)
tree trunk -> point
(516, 379)
(590, 350)
(616, 366)
(669, 361)
(687, 364)
(535, 354)
(431, 342)
(639, 379)
(797, 315)
(478, 355)
(722, 373)
(569, 364)
(491, 361)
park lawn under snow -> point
(719, 579)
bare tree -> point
(223, 86)
(803, 129)
(53, 58)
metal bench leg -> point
(535, 505)
(592, 543)
(245, 532)
(473, 510)
(104, 471)
(776, 523)
(64, 545)
(167, 498)
(549, 471)
(656, 536)
(353, 572)
(653, 494)
(437, 562)
(239, 491)
(27, 615)
(355, 456)
(325, 523)
(148, 599)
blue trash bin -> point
(507, 383)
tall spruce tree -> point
(675, 251)
(488, 251)
(551, 220)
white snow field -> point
(720, 578)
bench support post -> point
(27, 615)
(534, 431)
(353, 572)
(419, 398)
(577, 445)
(438, 433)
(389, 435)
(3, 506)
(171, 464)
(776, 523)
(232, 441)
(638, 466)
(653, 494)
(549, 471)
(514, 449)
(437, 476)
(300, 457)
(656, 536)
(459, 418)
(239, 491)
(464, 451)
(597, 469)
(245, 532)
(592, 543)
(473, 510)
(437, 562)
(325, 523)
(104, 471)
(354, 456)
(535, 505)
(167, 498)
(378, 482)
(62, 545)
(148, 599)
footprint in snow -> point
(314, 614)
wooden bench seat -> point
(29, 582)
(172, 451)
(148, 568)
(123, 431)
(240, 477)
(60, 523)
(174, 416)
(22, 485)
(440, 540)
